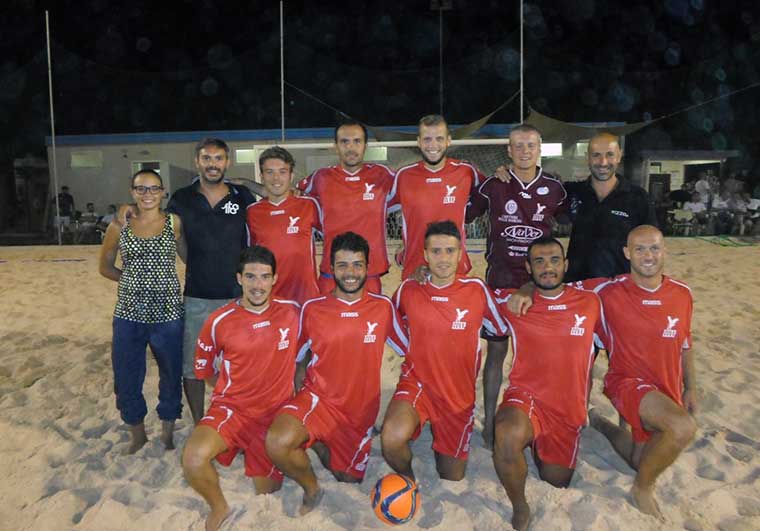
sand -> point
(61, 436)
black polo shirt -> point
(600, 229)
(214, 238)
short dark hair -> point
(279, 153)
(147, 171)
(525, 128)
(256, 254)
(432, 119)
(351, 122)
(349, 241)
(214, 142)
(545, 240)
(442, 228)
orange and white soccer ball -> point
(395, 499)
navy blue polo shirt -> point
(600, 228)
(214, 238)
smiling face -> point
(276, 175)
(524, 149)
(547, 267)
(257, 281)
(212, 163)
(147, 191)
(350, 272)
(646, 251)
(434, 141)
(442, 253)
(604, 155)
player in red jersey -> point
(436, 188)
(437, 382)
(247, 350)
(285, 224)
(651, 379)
(546, 402)
(353, 196)
(338, 403)
(520, 211)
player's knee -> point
(510, 439)
(556, 482)
(346, 478)
(392, 437)
(194, 458)
(683, 428)
(279, 440)
(451, 475)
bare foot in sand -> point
(167, 434)
(310, 501)
(139, 438)
(488, 438)
(643, 500)
(520, 517)
(215, 519)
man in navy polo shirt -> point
(212, 211)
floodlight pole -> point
(52, 130)
(440, 59)
(282, 72)
(522, 63)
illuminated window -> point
(86, 159)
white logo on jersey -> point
(577, 329)
(351, 179)
(363, 465)
(200, 363)
(370, 337)
(230, 207)
(435, 298)
(349, 314)
(292, 229)
(284, 342)
(203, 346)
(556, 307)
(262, 324)
(620, 213)
(433, 180)
(522, 233)
(538, 216)
(670, 331)
(449, 199)
(526, 195)
(511, 206)
(276, 212)
(651, 302)
(458, 324)
(368, 195)
(542, 191)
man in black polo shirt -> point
(604, 208)
(212, 211)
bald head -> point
(604, 156)
(645, 249)
(644, 232)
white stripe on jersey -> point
(216, 322)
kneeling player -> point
(437, 382)
(336, 408)
(248, 347)
(546, 401)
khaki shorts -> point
(196, 313)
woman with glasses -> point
(149, 308)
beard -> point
(548, 283)
(208, 179)
(344, 289)
(602, 177)
(430, 162)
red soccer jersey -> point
(346, 341)
(286, 229)
(518, 213)
(444, 336)
(553, 347)
(646, 330)
(355, 202)
(254, 355)
(425, 196)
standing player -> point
(353, 196)
(435, 188)
(651, 380)
(247, 348)
(337, 405)
(437, 382)
(285, 224)
(546, 401)
(520, 211)
(213, 220)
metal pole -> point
(282, 71)
(440, 59)
(52, 130)
(522, 63)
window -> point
(86, 159)
(551, 149)
(146, 165)
(245, 156)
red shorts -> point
(327, 284)
(349, 445)
(452, 431)
(242, 433)
(626, 395)
(554, 441)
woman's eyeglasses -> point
(142, 190)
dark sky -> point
(153, 66)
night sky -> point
(176, 66)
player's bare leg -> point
(496, 353)
(138, 438)
(202, 447)
(513, 432)
(323, 452)
(555, 475)
(264, 485)
(673, 430)
(619, 436)
(284, 442)
(195, 393)
(401, 421)
(167, 434)
(450, 468)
